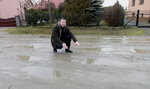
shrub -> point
(75, 12)
(32, 17)
(114, 15)
(82, 12)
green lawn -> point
(81, 31)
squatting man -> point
(61, 38)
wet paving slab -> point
(101, 62)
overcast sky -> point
(124, 3)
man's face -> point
(63, 23)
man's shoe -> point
(54, 50)
(68, 51)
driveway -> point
(101, 62)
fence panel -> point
(10, 22)
(140, 18)
(144, 18)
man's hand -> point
(77, 43)
(64, 46)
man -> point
(61, 37)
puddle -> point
(32, 58)
(24, 57)
(101, 62)
(6, 68)
(112, 40)
(64, 57)
(36, 46)
(107, 49)
(39, 45)
(111, 63)
(1, 51)
(43, 72)
(9, 47)
(139, 40)
(89, 49)
(80, 61)
(28, 47)
(117, 50)
(90, 61)
(146, 39)
(9, 73)
(142, 51)
(89, 39)
(139, 77)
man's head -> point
(62, 22)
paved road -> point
(3, 28)
(112, 62)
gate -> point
(138, 18)
(10, 22)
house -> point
(57, 2)
(142, 5)
(12, 11)
(134, 5)
(43, 4)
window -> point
(133, 14)
(142, 15)
(133, 2)
(141, 2)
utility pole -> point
(49, 9)
(21, 14)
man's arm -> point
(74, 38)
(55, 36)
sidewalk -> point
(4, 28)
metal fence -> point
(138, 18)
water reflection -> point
(1, 51)
(8, 47)
(32, 58)
(90, 61)
(43, 72)
(142, 51)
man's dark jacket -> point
(57, 35)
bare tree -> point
(24, 6)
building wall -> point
(57, 2)
(145, 6)
(9, 8)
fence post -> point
(18, 21)
(137, 18)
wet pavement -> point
(101, 62)
(5, 28)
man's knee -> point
(68, 41)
